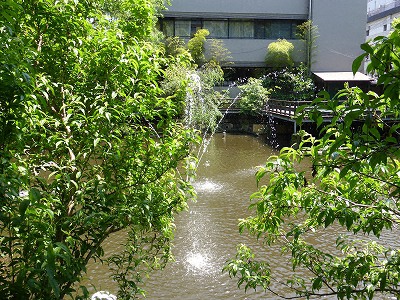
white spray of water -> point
(194, 90)
(103, 295)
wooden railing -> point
(284, 108)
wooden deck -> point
(286, 109)
(281, 109)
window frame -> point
(262, 28)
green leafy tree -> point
(174, 46)
(279, 54)
(89, 145)
(253, 98)
(395, 22)
(175, 83)
(354, 190)
(196, 46)
(218, 53)
(202, 100)
(293, 84)
(309, 34)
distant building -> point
(380, 14)
(248, 27)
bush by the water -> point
(290, 84)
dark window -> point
(217, 28)
(168, 27)
(194, 26)
(232, 28)
(385, 27)
(262, 29)
(276, 29)
(182, 28)
(281, 29)
(294, 32)
(241, 29)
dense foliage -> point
(354, 190)
(279, 54)
(174, 46)
(290, 84)
(89, 145)
(218, 53)
(202, 100)
(253, 96)
(201, 76)
(309, 34)
(195, 86)
(196, 46)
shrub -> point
(290, 85)
(254, 96)
(280, 54)
(196, 46)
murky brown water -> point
(207, 234)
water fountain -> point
(203, 233)
(194, 89)
(206, 235)
(195, 102)
(271, 129)
(103, 295)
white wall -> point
(376, 28)
(341, 26)
(241, 6)
(251, 53)
(380, 27)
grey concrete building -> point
(248, 27)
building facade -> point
(248, 27)
(380, 15)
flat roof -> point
(342, 76)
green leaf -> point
(352, 115)
(52, 281)
(317, 284)
(329, 217)
(96, 142)
(34, 195)
(357, 63)
(23, 207)
(367, 48)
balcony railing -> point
(385, 7)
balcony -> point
(384, 10)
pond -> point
(207, 234)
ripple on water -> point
(207, 186)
